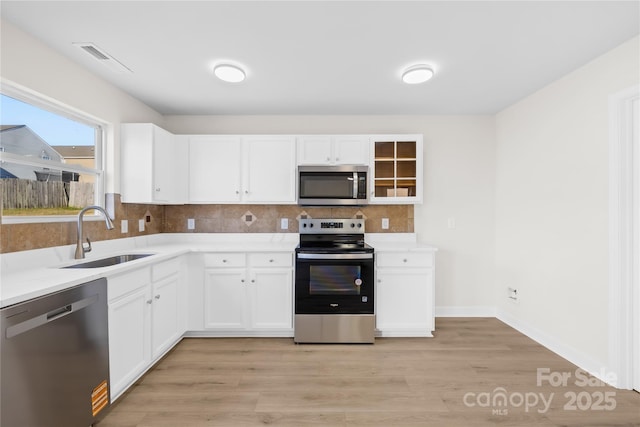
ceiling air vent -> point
(103, 57)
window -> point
(50, 159)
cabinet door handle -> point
(328, 159)
(246, 191)
(253, 280)
(149, 301)
(157, 189)
(270, 260)
(404, 260)
(337, 159)
(237, 191)
(157, 296)
(224, 260)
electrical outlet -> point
(385, 223)
(512, 294)
(284, 223)
(141, 225)
(191, 224)
(124, 226)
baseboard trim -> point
(582, 361)
(465, 311)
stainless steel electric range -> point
(334, 285)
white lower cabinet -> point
(129, 325)
(249, 292)
(165, 315)
(405, 293)
(146, 318)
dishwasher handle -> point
(51, 316)
(58, 313)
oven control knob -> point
(359, 225)
(311, 225)
(353, 225)
(358, 282)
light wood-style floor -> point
(453, 379)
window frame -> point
(44, 102)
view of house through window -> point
(48, 162)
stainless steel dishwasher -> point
(54, 358)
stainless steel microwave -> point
(344, 185)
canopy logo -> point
(501, 401)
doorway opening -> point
(624, 237)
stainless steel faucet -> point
(80, 248)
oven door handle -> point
(345, 256)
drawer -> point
(222, 259)
(404, 259)
(164, 269)
(126, 283)
(271, 259)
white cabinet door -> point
(165, 315)
(164, 152)
(215, 169)
(404, 301)
(269, 169)
(351, 150)
(315, 150)
(129, 351)
(224, 298)
(152, 165)
(333, 150)
(272, 301)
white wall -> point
(552, 207)
(459, 158)
(27, 62)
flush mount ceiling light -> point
(417, 74)
(229, 73)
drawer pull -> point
(404, 260)
(149, 301)
(157, 297)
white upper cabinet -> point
(242, 169)
(153, 165)
(333, 150)
(395, 172)
(214, 169)
(269, 169)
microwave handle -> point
(355, 185)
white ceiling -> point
(331, 57)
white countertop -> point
(30, 274)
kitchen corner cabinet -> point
(396, 169)
(405, 293)
(333, 150)
(247, 293)
(153, 165)
(242, 169)
(146, 318)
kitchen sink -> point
(107, 262)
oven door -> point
(334, 283)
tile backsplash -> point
(206, 219)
